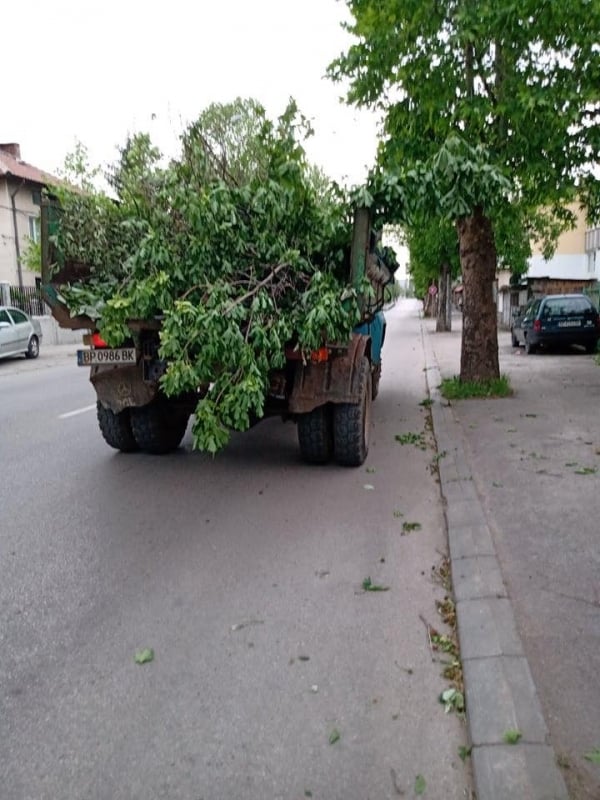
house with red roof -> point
(21, 186)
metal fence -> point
(29, 299)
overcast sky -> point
(96, 71)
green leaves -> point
(144, 656)
(369, 586)
(239, 246)
(512, 736)
(593, 756)
(420, 785)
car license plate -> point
(570, 323)
(106, 355)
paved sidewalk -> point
(500, 691)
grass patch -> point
(455, 389)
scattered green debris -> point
(563, 761)
(426, 403)
(571, 464)
(531, 415)
(511, 430)
(453, 700)
(464, 752)
(418, 439)
(369, 586)
(370, 470)
(586, 471)
(144, 656)
(407, 527)
(420, 784)
(334, 736)
(512, 736)
(497, 484)
(593, 756)
(398, 514)
(455, 389)
(307, 793)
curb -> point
(499, 688)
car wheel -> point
(33, 348)
(530, 348)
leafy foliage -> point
(239, 246)
(492, 116)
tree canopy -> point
(491, 118)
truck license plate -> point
(106, 355)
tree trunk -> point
(444, 315)
(479, 347)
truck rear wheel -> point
(352, 421)
(315, 435)
(116, 429)
(157, 427)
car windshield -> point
(567, 307)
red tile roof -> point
(10, 166)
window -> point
(36, 197)
(17, 316)
(34, 229)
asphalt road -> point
(244, 574)
(535, 461)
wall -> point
(25, 208)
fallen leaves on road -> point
(593, 756)
(334, 736)
(420, 784)
(369, 586)
(144, 656)
(512, 736)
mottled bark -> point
(479, 348)
(444, 311)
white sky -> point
(96, 71)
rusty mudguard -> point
(119, 388)
(331, 381)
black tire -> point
(157, 427)
(33, 348)
(375, 378)
(591, 347)
(116, 429)
(514, 340)
(530, 348)
(351, 422)
(315, 435)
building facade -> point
(21, 187)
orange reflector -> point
(98, 341)
(320, 355)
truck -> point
(328, 393)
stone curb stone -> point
(517, 772)
(506, 684)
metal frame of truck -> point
(328, 393)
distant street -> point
(275, 674)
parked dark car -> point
(19, 333)
(557, 320)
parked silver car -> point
(19, 333)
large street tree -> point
(491, 119)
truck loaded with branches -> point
(233, 283)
